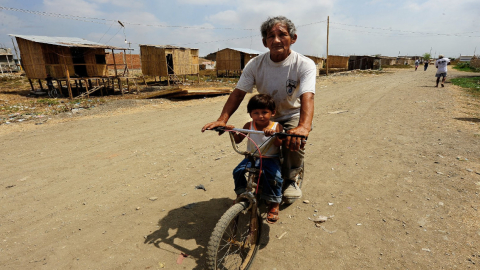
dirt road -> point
(394, 161)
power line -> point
(403, 31)
(104, 21)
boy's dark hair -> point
(261, 101)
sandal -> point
(272, 216)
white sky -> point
(390, 28)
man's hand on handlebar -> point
(213, 125)
(296, 143)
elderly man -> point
(289, 78)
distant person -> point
(441, 65)
(425, 65)
(416, 64)
(261, 108)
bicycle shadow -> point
(194, 221)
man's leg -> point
(438, 80)
(292, 164)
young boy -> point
(261, 108)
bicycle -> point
(236, 237)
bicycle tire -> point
(227, 248)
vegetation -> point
(471, 83)
(427, 56)
(465, 66)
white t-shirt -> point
(284, 81)
(441, 65)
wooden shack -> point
(336, 61)
(318, 62)
(386, 61)
(169, 61)
(361, 62)
(7, 64)
(64, 59)
(233, 60)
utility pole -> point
(328, 27)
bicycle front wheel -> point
(235, 239)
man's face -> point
(278, 40)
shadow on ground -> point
(474, 120)
(194, 221)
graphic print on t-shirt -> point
(291, 85)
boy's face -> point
(261, 116)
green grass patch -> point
(48, 101)
(471, 83)
(465, 66)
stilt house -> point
(168, 61)
(63, 58)
(7, 64)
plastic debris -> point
(200, 187)
(282, 235)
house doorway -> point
(170, 63)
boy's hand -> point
(269, 132)
(229, 127)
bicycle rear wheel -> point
(234, 241)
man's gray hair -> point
(272, 21)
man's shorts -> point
(438, 75)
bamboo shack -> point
(233, 60)
(7, 64)
(386, 61)
(66, 59)
(361, 62)
(318, 62)
(335, 63)
(169, 61)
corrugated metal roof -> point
(167, 46)
(247, 51)
(67, 42)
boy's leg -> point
(272, 180)
(272, 187)
(239, 176)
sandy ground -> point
(398, 172)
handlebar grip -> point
(218, 129)
(283, 135)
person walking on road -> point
(441, 65)
(425, 65)
(416, 64)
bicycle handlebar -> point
(279, 134)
